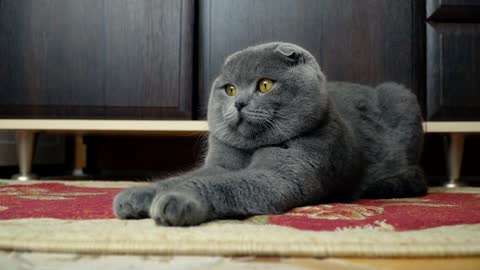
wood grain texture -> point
(50, 52)
(105, 126)
(419, 53)
(453, 71)
(96, 58)
(453, 10)
(464, 263)
(17, 259)
(196, 126)
(360, 41)
(451, 127)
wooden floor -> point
(414, 264)
(47, 261)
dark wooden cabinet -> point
(360, 41)
(96, 59)
(156, 59)
(459, 10)
(453, 71)
(453, 60)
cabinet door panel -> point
(361, 41)
(459, 10)
(96, 58)
(142, 52)
(51, 58)
(453, 71)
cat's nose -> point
(240, 104)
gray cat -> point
(282, 137)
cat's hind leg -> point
(408, 181)
(393, 171)
(402, 119)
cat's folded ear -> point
(291, 53)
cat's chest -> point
(232, 158)
(256, 158)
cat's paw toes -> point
(178, 209)
(133, 203)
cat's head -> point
(265, 95)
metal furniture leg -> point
(455, 154)
(25, 150)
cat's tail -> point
(406, 182)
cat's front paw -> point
(178, 209)
(133, 202)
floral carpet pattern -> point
(55, 200)
(63, 201)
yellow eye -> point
(230, 90)
(265, 85)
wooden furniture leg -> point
(25, 150)
(455, 154)
(80, 156)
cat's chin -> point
(246, 129)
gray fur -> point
(304, 142)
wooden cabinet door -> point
(367, 41)
(96, 59)
(462, 10)
(453, 71)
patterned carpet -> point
(73, 216)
